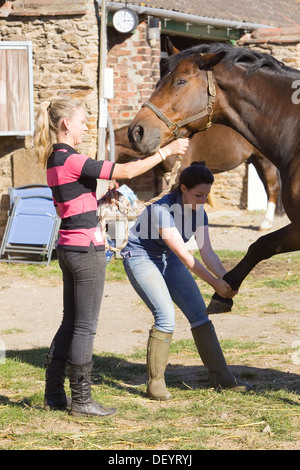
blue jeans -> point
(160, 281)
(83, 278)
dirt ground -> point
(31, 311)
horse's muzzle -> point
(145, 143)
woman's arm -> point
(209, 257)
(175, 242)
(137, 167)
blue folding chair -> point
(28, 190)
(32, 226)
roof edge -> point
(173, 15)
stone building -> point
(65, 41)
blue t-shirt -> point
(167, 212)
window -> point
(16, 88)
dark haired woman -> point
(157, 263)
(72, 177)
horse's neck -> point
(263, 112)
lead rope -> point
(105, 210)
(171, 179)
(122, 205)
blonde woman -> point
(72, 177)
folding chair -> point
(32, 226)
(28, 190)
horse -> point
(223, 149)
(250, 92)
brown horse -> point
(250, 92)
(222, 149)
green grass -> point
(196, 418)
(114, 271)
(283, 284)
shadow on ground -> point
(120, 373)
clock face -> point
(125, 20)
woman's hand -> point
(223, 289)
(177, 147)
(137, 167)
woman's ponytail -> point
(43, 139)
(48, 120)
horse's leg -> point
(269, 176)
(267, 223)
(281, 241)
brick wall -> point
(136, 65)
(136, 70)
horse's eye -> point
(180, 82)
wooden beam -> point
(48, 13)
(49, 7)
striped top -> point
(72, 178)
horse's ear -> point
(208, 61)
(171, 50)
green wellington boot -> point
(211, 354)
(157, 360)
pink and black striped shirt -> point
(72, 178)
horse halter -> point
(175, 126)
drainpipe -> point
(102, 99)
(104, 117)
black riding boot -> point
(55, 396)
(80, 384)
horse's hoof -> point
(219, 305)
(265, 225)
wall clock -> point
(125, 20)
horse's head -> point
(182, 103)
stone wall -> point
(281, 43)
(229, 190)
(65, 63)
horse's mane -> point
(230, 55)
